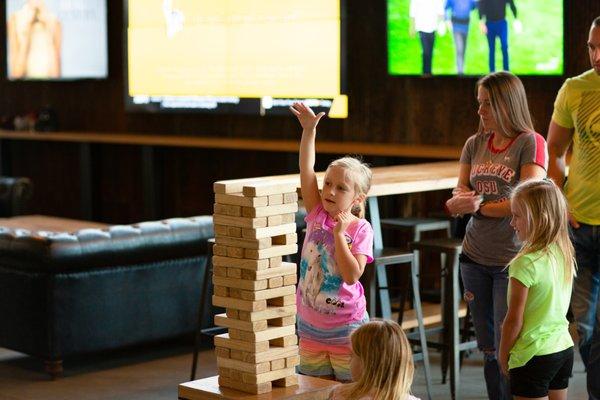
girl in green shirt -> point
(536, 349)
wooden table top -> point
(396, 179)
(47, 223)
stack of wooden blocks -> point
(254, 228)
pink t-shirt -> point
(322, 298)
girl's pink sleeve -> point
(363, 240)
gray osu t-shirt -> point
(494, 172)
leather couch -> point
(67, 293)
(14, 195)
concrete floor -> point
(152, 372)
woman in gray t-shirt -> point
(504, 151)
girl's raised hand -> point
(306, 116)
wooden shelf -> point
(432, 315)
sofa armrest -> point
(14, 195)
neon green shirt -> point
(577, 107)
(545, 327)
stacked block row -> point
(254, 228)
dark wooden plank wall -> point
(438, 110)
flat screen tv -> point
(56, 39)
(454, 37)
(235, 56)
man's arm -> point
(559, 140)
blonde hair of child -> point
(361, 175)
(387, 362)
(545, 210)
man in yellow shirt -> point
(576, 119)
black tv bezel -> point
(247, 106)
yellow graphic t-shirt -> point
(577, 107)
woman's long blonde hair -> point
(387, 362)
(361, 176)
(508, 102)
(545, 209)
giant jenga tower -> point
(254, 228)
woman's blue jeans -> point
(485, 293)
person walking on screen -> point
(458, 14)
(425, 18)
(492, 14)
(576, 121)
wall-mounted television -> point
(235, 56)
(56, 39)
(454, 37)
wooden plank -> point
(253, 265)
(260, 368)
(265, 356)
(234, 252)
(235, 273)
(277, 364)
(291, 197)
(273, 251)
(229, 231)
(255, 244)
(275, 199)
(242, 222)
(255, 212)
(219, 250)
(244, 284)
(238, 199)
(275, 262)
(232, 313)
(227, 209)
(219, 271)
(221, 291)
(268, 293)
(245, 305)
(275, 282)
(285, 269)
(267, 376)
(290, 280)
(290, 238)
(224, 321)
(282, 301)
(225, 341)
(223, 352)
(269, 313)
(261, 388)
(285, 341)
(270, 333)
(258, 233)
(292, 361)
(267, 188)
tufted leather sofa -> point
(67, 293)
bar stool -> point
(390, 256)
(452, 342)
(205, 303)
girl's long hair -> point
(361, 176)
(387, 362)
(545, 209)
(508, 102)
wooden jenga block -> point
(242, 222)
(235, 384)
(267, 188)
(265, 356)
(282, 321)
(254, 265)
(238, 199)
(285, 341)
(224, 321)
(292, 361)
(228, 231)
(275, 220)
(287, 300)
(290, 280)
(224, 340)
(235, 252)
(222, 352)
(287, 219)
(232, 313)
(221, 291)
(260, 368)
(285, 269)
(219, 250)
(239, 304)
(275, 199)
(235, 293)
(270, 333)
(290, 238)
(244, 284)
(288, 381)
(225, 372)
(267, 376)
(257, 233)
(273, 251)
(269, 313)
(275, 282)
(234, 273)
(278, 364)
(235, 374)
(290, 197)
(220, 230)
(255, 212)
(244, 243)
(235, 186)
(226, 209)
(275, 262)
(219, 271)
(267, 293)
